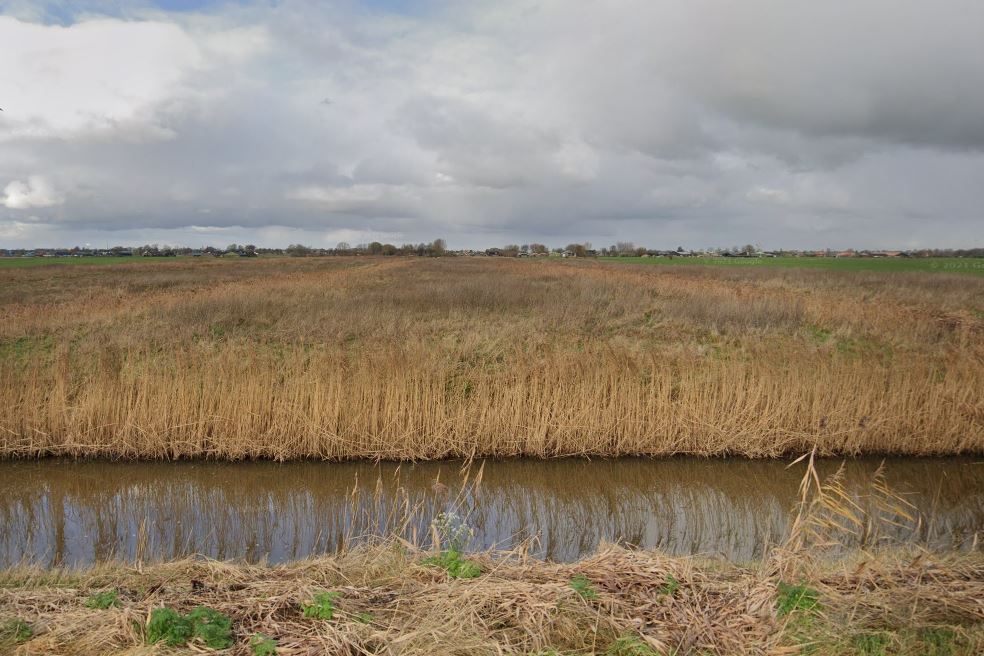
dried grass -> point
(423, 359)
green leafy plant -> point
(15, 631)
(103, 600)
(364, 618)
(455, 565)
(583, 587)
(262, 645)
(169, 626)
(796, 598)
(212, 627)
(206, 624)
(630, 645)
(454, 536)
(671, 585)
(322, 606)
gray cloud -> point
(788, 123)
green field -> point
(20, 262)
(932, 264)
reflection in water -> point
(64, 512)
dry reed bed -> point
(519, 606)
(417, 359)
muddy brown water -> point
(59, 512)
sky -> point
(705, 123)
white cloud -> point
(36, 192)
(655, 121)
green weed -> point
(629, 645)
(364, 618)
(214, 628)
(671, 586)
(796, 598)
(819, 335)
(262, 645)
(455, 565)
(206, 624)
(103, 600)
(583, 587)
(938, 641)
(15, 631)
(322, 607)
(169, 626)
(870, 644)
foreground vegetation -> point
(386, 600)
(394, 597)
(424, 358)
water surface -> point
(72, 513)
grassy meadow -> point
(420, 358)
(100, 260)
(965, 265)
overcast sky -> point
(786, 123)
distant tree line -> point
(436, 248)
(439, 248)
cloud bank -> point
(788, 123)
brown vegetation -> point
(432, 358)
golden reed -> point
(433, 358)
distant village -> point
(438, 248)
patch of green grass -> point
(583, 587)
(15, 632)
(938, 641)
(262, 645)
(455, 565)
(793, 598)
(25, 346)
(206, 624)
(819, 335)
(671, 586)
(858, 346)
(24, 262)
(871, 644)
(967, 265)
(103, 600)
(364, 618)
(629, 645)
(322, 606)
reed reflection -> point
(72, 513)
